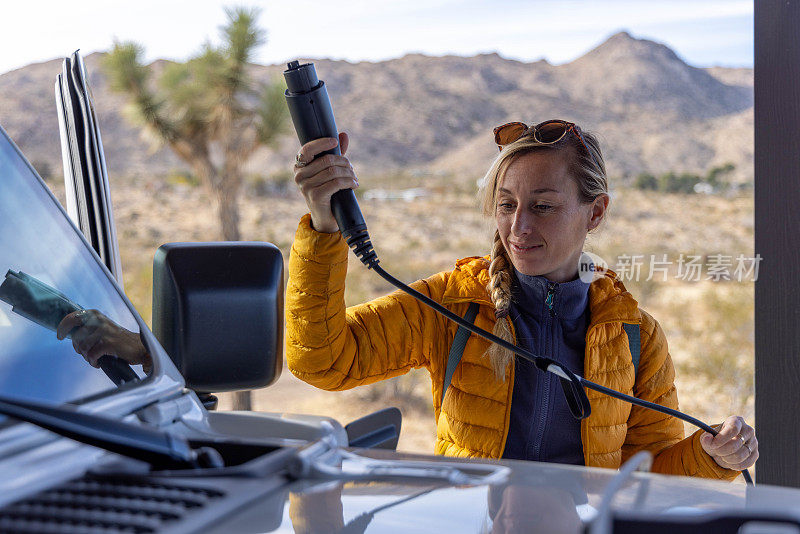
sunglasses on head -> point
(546, 133)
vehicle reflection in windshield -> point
(37, 241)
(94, 335)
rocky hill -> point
(426, 114)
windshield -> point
(46, 271)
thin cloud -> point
(367, 30)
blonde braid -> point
(499, 289)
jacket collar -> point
(609, 301)
(534, 295)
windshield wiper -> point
(324, 460)
(158, 448)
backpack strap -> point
(457, 348)
(635, 344)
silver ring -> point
(299, 162)
(744, 443)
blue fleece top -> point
(550, 319)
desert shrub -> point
(671, 182)
(685, 182)
(184, 178)
(715, 176)
(646, 182)
(715, 173)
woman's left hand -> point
(735, 447)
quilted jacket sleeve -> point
(335, 348)
(663, 434)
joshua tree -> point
(208, 111)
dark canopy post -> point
(777, 227)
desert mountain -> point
(653, 111)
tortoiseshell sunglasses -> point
(547, 133)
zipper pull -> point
(551, 289)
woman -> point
(546, 190)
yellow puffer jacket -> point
(335, 348)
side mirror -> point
(378, 430)
(218, 312)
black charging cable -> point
(572, 384)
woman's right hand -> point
(323, 177)
(94, 335)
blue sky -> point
(702, 32)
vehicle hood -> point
(535, 497)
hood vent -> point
(106, 505)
